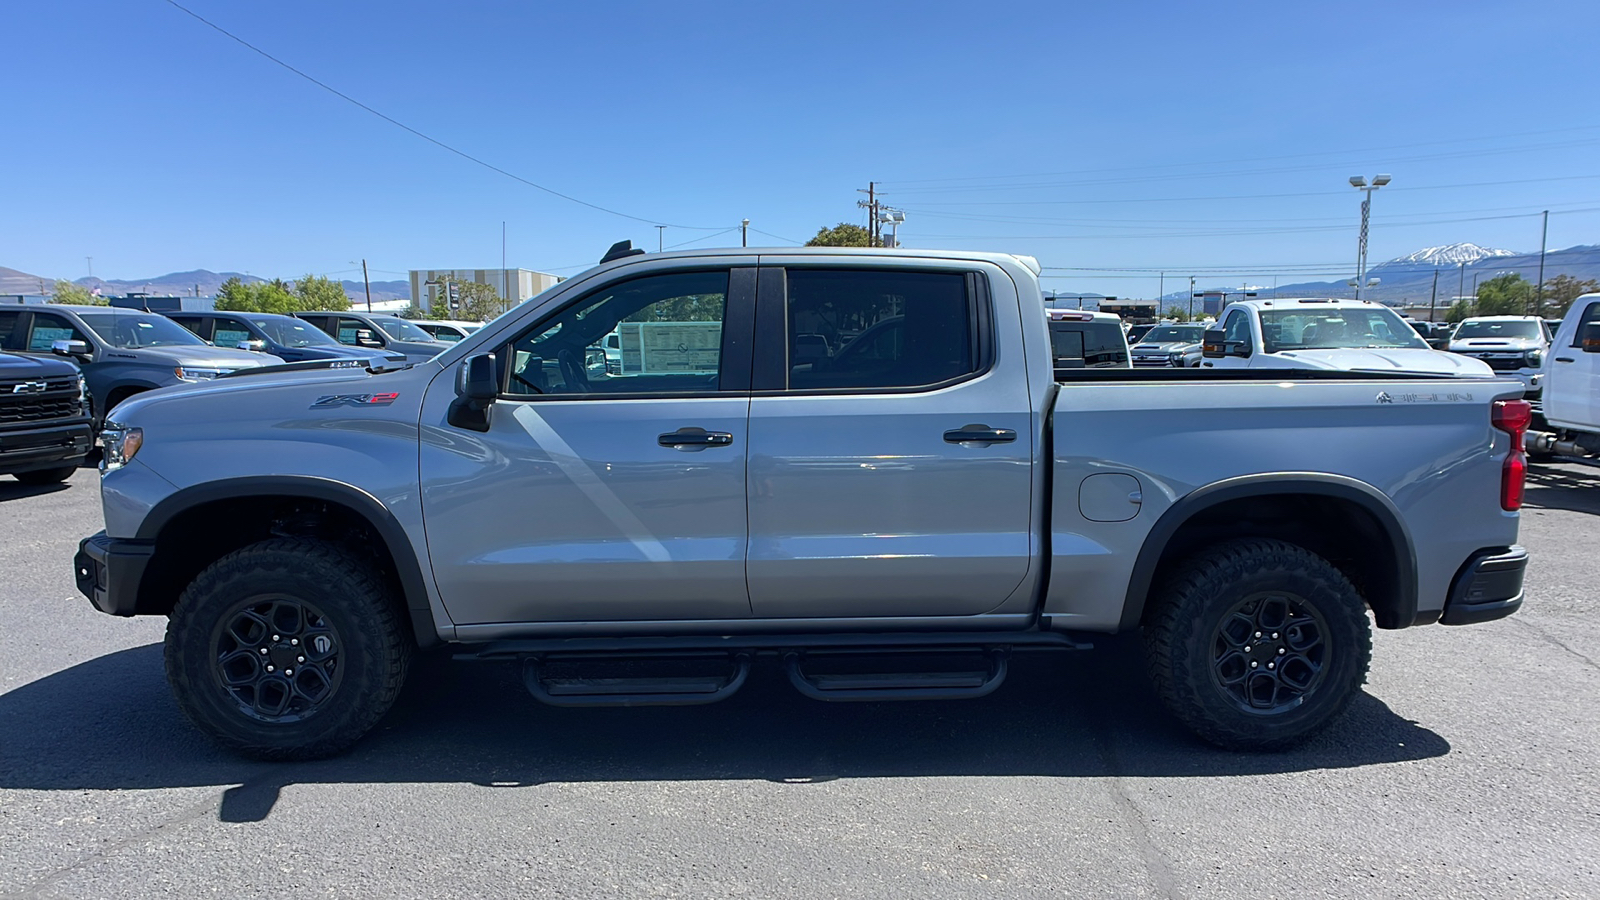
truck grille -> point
(1503, 363)
(1147, 361)
(59, 400)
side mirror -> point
(1215, 343)
(477, 386)
(257, 346)
(76, 349)
(1591, 338)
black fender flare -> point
(1365, 496)
(407, 567)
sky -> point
(1099, 138)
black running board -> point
(639, 691)
(874, 686)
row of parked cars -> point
(62, 368)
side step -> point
(681, 688)
(872, 686)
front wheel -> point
(287, 649)
(1257, 644)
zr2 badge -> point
(359, 400)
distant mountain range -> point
(1409, 279)
(200, 282)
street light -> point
(1359, 182)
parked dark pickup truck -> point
(44, 419)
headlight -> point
(83, 394)
(1535, 358)
(1175, 357)
(121, 444)
(195, 373)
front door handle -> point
(695, 439)
(980, 434)
(1563, 359)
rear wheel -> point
(286, 649)
(1258, 644)
(46, 476)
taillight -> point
(1513, 417)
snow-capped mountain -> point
(1448, 255)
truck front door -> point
(891, 474)
(598, 495)
(1572, 389)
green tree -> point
(1504, 295)
(842, 235)
(1560, 291)
(479, 302)
(315, 292)
(77, 295)
(1177, 313)
(1461, 309)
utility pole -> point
(1191, 297)
(505, 276)
(1538, 291)
(1161, 291)
(1435, 294)
(871, 205)
(744, 233)
(368, 282)
(1461, 286)
(661, 238)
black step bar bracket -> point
(591, 692)
(898, 686)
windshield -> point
(1096, 343)
(289, 332)
(401, 330)
(132, 331)
(1503, 329)
(1328, 329)
(1174, 334)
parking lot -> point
(1468, 769)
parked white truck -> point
(1316, 333)
(1568, 420)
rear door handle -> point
(980, 434)
(695, 439)
(1563, 359)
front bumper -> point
(108, 571)
(24, 449)
(1488, 587)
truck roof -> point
(1313, 302)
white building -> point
(515, 285)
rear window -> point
(873, 329)
(1088, 344)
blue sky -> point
(1120, 136)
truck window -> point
(229, 334)
(200, 325)
(668, 327)
(1590, 316)
(1237, 329)
(851, 329)
(8, 324)
(49, 328)
(1076, 344)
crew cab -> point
(122, 352)
(1515, 344)
(891, 521)
(288, 338)
(44, 418)
(1338, 335)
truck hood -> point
(323, 351)
(205, 357)
(19, 366)
(1375, 359)
(315, 382)
(1471, 344)
(1165, 347)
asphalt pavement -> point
(1467, 769)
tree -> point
(479, 302)
(1560, 291)
(1504, 295)
(1461, 309)
(842, 235)
(1177, 313)
(313, 292)
(77, 295)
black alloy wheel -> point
(277, 657)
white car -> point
(1511, 344)
(1343, 335)
(447, 330)
(1570, 424)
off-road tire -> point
(355, 601)
(45, 476)
(1182, 638)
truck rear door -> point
(890, 473)
(1572, 390)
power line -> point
(705, 238)
(778, 236)
(432, 140)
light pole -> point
(744, 233)
(1359, 182)
(1191, 298)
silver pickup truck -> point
(889, 515)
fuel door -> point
(1109, 497)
